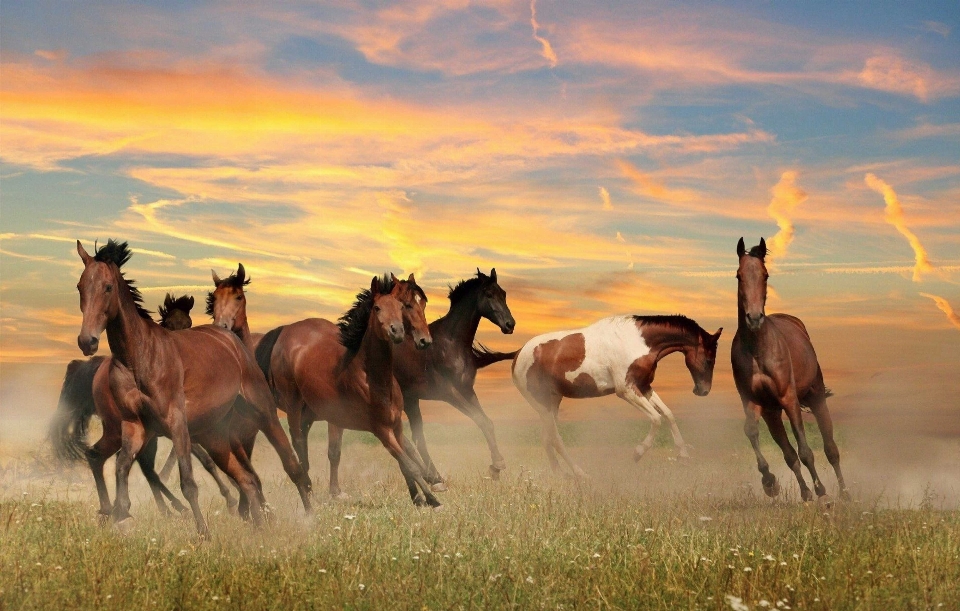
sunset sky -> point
(605, 157)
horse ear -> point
(375, 286)
(762, 248)
(493, 274)
(190, 307)
(741, 249)
(716, 335)
(241, 273)
(411, 279)
(216, 278)
(83, 254)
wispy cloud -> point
(893, 214)
(952, 316)
(650, 187)
(546, 49)
(605, 199)
(786, 197)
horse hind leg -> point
(211, 467)
(246, 480)
(411, 406)
(134, 437)
(97, 456)
(818, 406)
(334, 447)
(147, 459)
(803, 448)
(682, 447)
(774, 422)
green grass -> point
(662, 534)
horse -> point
(158, 393)
(448, 370)
(775, 369)
(78, 403)
(618, 355)
(343, 374)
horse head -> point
(99, 292)
(227, 303)
(413, 302)
(492, 303)
(752, 284)
(700, 361)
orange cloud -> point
(648, 186)
(605, 198)
(547, 50)
(952, 316)
(786, 197)
(894, 216)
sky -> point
(604, 157)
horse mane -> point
(232, 281)
(184, 303)
(757, 252)
(119, 253)
(353, 324)
(675, 321)
(466, 286)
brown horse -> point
(78, 403)
(344, 374)
(158, 393)
(448, 370)
(613, 355)
(776, 370)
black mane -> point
(759, 253)
(119, 253)
(184, 303)
(234, 281)
(464, 287)
(676, 321)
(353, 324)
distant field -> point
(661, 534)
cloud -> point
(936, 27)
(894, 216)
(605, 199)
(952, 316)
(546, 50)
(786, 197)
(647, 185)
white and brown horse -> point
(613, 355)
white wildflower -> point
(529, 579)
(736, 603)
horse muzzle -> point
(508, 326)
(422, 343)
(701, 391)
(754, 321)
(88, 344)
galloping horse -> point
(78, 403)
(613, 355)
(180, 384)
(776, 370)
(344, 374)
(448, 370)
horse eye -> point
(376, 308)
(239, 297)
(108, 288)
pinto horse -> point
(776, 370)
(79, 402)
(343, 374)
(613, 355)
(179, 384)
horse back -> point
(305, 361)
(214, 364)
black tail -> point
(68, 429)
(265, 351)
(482, 356)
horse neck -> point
(666, 340)
(128, 333)
(748, 337)
(244, 331)
(463, 320)
(376, 355)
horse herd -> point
(212, 389)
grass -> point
(663, 534)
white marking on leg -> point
(644, 405)
(674, 429)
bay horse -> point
(343, 374)
(618, 355)
(78, 403)
(179, 384)
(776, 370)
(448, 370)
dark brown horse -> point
(448, 370)
(344, 374)
(776, 370)
(79, 403)
(618, 355)
(179, 384)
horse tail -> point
(264, 352)
(68, 429)
(482, 356)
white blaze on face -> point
(417, 299)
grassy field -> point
(661, 534)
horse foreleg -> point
(334, 445)
(246, 480)
(97, 456)
(634, 397)
(751, 428)
(390, 438)
(147, 459)
(674, 429)
(134, 436)
(825, 424)
(411, 406)
(469, 404)
(167, 468)
(792, 408)
(774, 421)
(177, 425)
(211, 467)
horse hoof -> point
(124, 526)
(339, 496)
(772, 490)
(845, 495)
(638, 453)
(499, 464)
(420, 500)
(494, 473)
(825, 500)
(438, 508)
(439, 487)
